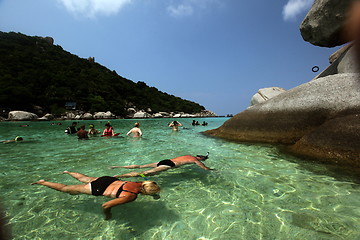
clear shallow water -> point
(256, 192)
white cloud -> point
(295, 7)
(180, 10)
(91, 8)
(189, 7)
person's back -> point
(188, 159)
(82, 134)
(184, 160)
(136, 131)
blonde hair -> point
(150, 187)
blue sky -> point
(217, 53)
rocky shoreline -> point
(80, 115)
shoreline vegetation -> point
(40, 77)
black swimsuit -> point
(99, 186)
(123, 190)
(166, 162)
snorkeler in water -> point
(165, 165)
(107, 186)
(17, 139)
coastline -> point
(15, 116)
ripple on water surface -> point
(255, 191)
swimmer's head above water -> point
(202, 157)
(18, 138)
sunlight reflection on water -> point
(255, 191)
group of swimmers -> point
(123, 191)
(196, 123)
(112, 186)
(107, 132)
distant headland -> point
(40, 77)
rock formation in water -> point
(321, 118)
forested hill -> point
(34, 72)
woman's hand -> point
(107, 212)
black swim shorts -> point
(99, 186)
(166, 162)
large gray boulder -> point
(158, 115)
(164, 114)
(141, 114)
(87, 116)
(22, 116)
(344, 60)
(298, 112)
(46, 117)
(324, 24)
(206, 113)
(103, 115)
(340, 52)
(131, 110)
(69, 115)
(265, 94)
(336, 139)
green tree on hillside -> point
(35, 72)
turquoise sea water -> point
(255, 191)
